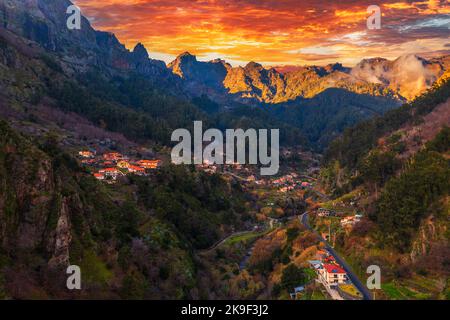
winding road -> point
(222, 241)
(358, 284)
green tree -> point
(292, 277)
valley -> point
(87, 177)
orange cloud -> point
(272, 32)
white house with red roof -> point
(333, 274)
(351, 220)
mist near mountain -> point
(410, 75)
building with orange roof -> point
(137, 170)
(322, 254)
(113, 156)
(123, 164)
(99, 176)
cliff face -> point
(432, 231)
(201, 77)
(32, 206)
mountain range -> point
(403, 78)
(317, 101)
(45, 23)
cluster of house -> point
(208, 167)
(290, 182)
(235, 168)
(212, 168)
(113, 165)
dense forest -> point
(409, 198)
(404, 187)
(324, 117)
(356, 141)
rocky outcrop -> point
(63, 238)
(35, 217)
(45, 22)
(201, 77)
(431, 231)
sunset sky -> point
(277, 32)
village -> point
(108, 167)
(329, 274)
(288, 182)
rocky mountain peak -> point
(44, 22)
(253, 66)
(222, 62)
(140, 51)
(187, 56)
(332, 67)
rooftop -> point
(332, 268)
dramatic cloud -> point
(274, 32)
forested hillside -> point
(395, 170)
(358, 140)
(133, 240)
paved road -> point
(358, 284)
